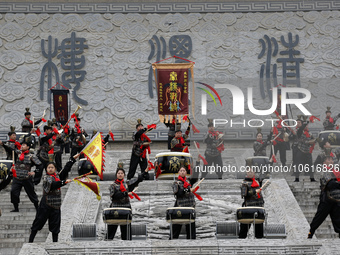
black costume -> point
(27, 124)
(22, 179)
(50, 203)
(279, 144)
(78, 139)
(329, 202)
(184, 198)
(177, 144)
(138, 153)
(172, 129)
(10, 146)
(329, 122)
(251, 198)
(213, 152)
(119, 198)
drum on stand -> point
(170, 163)
(180, 215)
(331, 136)
(251, 214)
(118, 216)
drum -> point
(180, 215)
(170, 163)
(26, 137)
(246, 215)
(257, 161)
(5, 166)
(85, 166)
(117, 216)
(331, 136)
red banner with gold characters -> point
(173, 88)
(60, 103)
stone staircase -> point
(307, 194)
(15, 227)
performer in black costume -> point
(24, 177)
(260, 145)
(173, 126)
(178, 142)
(251, 193)
(78, 137)
(184, 198)
(138, 155)
(329, 122)
(215, 146)
(11, 145)
(329, 198)
(27, 123)
(119, 195)
(50, 203)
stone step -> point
(19, 233)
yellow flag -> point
(94, 152)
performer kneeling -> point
(119, 198)
(251, 192)
(50, 203)
(184, 198)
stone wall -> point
(225, 48)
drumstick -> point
(276, 136)
(265, 185)
(198, 183)
(134, 190)
(13, 157)
(197, 147)
(33, 122)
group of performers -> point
(52, 143)
(302, 147)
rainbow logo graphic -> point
(204, 97)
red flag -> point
(43, 120)
(194, 129)
(274, 158)
(38, 132)
(198, 145)
(159, 171)
(186, 149)
(153, 126)
(85, 181)
(205, 162)
(111, 135)
(185, 118)
(313, 118)
(198, 196)
(136, 196)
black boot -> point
(16, 208)
(55, 237)
(297, 180)
(312, 180)
(310, 234)
(32, 236)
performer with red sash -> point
(141, 146)
(50, 203)
(27, 123)
(24, 176)
(78, 136)
(185, 197)
(11, 145)
(120, 197)
(178, 142)
(279, 143)
(329, 122)
(214, 149)
(251, 193)
(329, 197)
(260, 145)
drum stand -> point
(127, 229)
(171, 233)
(255, 215)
